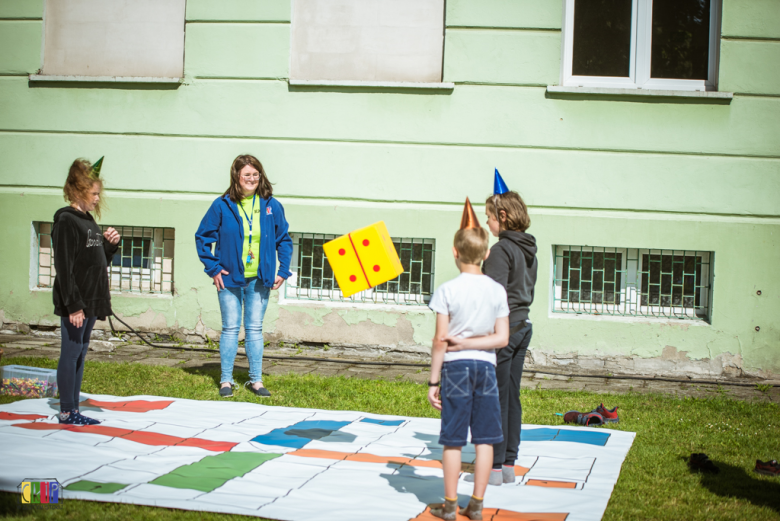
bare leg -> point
(482, 467)
(451, 463)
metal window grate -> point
(144, 261)
(632, 282)
(142, 264)
(313, 279)
(45, 273)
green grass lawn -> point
(655, 482)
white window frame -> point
(641, 48)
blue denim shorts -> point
(469, 398)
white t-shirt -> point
(473, 302)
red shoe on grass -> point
(609, 415)
(769, 468)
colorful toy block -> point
(363, 259)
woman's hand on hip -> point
(77, 318)
(218, 280)
(111, 235)
(278, 282)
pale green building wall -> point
(619, 172)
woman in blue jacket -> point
(248, 230)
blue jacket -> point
(222, 225)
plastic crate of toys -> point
(32, 382)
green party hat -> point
(97, 166)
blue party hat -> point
(499, 186)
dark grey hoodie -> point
(512, 263)
(80, 258)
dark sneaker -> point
(770, 468)
(85, 419)
(609, 415)
(589, 419)
(226, 392)
(74, 418)
(701, 462)
(262, 392)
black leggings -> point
(70, 370)
(509, 371)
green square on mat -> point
(97, 488)
(213, 471)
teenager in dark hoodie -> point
(512, 263)
(81, 288)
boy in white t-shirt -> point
(472, 319)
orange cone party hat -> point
(469, 219)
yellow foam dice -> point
(363, 259)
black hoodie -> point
(80, 258)
(512, 263)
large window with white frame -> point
(641, 44)
(632, 282)
(312, 277)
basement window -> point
(633, 282)
(142, 264)
(313, 279)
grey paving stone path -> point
(372, 364)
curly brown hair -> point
(513, 207)
(235, 191)
(80, 181)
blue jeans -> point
(469, 399)
(253, 298)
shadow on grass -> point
(734, 482)
(212, 370)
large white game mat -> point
(293, 464)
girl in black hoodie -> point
(81, 288)
(512, 263)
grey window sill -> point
(104, 79)
(372, 84)
(680, 95)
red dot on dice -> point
(365, 242)
(376, 267)
(342, 251)
(352, 278)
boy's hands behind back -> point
(434, 398)
(454, 343)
